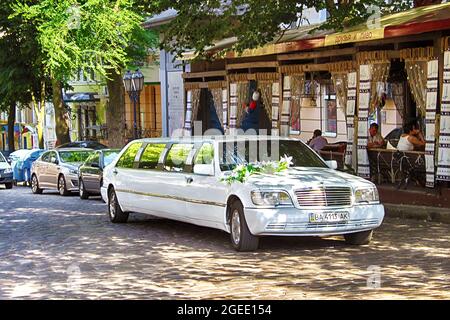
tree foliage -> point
(200, 23)
(82, 34)
(21, 72)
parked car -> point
(58, 169)
(83, 144)
(90, 174)
(6, 173)
(21, 162)
(174, 179)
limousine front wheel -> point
(241, 238)
(116, 214)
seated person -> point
(411, 139)
(317, 142)
(375, 138)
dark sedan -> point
(91, 171)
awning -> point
(301, 38)
(414, 21)
(77, 97)
(28, 128)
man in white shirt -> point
(375, 138)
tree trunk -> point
(115, 112)
(11, 122)
(61, 125)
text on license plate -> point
(329, 216)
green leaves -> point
(88, 35)
(202, 23)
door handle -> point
(189, 179)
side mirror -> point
(204, 169)
(332, 164)
(9, 160)
(54, 160)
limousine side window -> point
(205, 155)
(150, 156)
(177, 156)
(127, 158)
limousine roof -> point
(222, 138)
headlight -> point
(367, 195)
(271, 198)
(8, 170)
(72, 171)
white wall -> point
(390, 118)
(311, 119)
(172, 93)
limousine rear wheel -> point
(116, 214)
(241, 238)
(359, 238)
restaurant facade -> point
(389, 73)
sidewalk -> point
(417, 212)
(416, 203)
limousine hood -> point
(308, 177)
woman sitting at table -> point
(411, 139)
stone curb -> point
(417, 212)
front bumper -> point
(6, 178)
(295, 222)
(72, 182)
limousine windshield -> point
(236, 153)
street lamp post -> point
(134, 83)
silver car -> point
(58, 169)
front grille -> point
(303, 226)
(324, 197)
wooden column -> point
(365, 76)
(443, 171)
(430, 120)
(350, 118)
(286, 108)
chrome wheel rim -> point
(112, 205)
(236, 227)
(61, 185)
(34, 183)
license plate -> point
(329, 217)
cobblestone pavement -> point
(55, 247)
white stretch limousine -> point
(182, 179)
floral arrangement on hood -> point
(244, 171)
